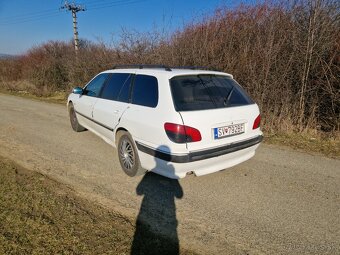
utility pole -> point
(74, 9)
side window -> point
(124, 93)
(145, 91)
(94, 87)
(114, 85)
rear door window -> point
(124, 93)
(114, 86)
(94, 87)
(145, 91)
(202, 92)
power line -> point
(45, 14)
(29, 19)
(112, 4)
(27, 15)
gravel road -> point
(279, 202)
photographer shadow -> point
(156, 225)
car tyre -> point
(128, 155)
(73, 119)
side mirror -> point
(77, 90)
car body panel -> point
(205, 121)
(108, 114)
(199, 168)
(146, 126)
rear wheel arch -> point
(120, 129)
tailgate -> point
(222, 126)
(217, 106)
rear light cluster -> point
(181, 133)
(257, 122)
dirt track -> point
(279, 202)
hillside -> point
(6, 56)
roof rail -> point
(167, 68)
(141, 67)
(195, 68)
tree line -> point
(285, 54)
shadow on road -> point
(156, 226)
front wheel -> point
(128, 155)
(73, 119)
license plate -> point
(226, 131)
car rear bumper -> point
(200, 155)
(199, 163)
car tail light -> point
(257, 122)
(182, 134)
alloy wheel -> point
(126, 154)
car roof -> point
(169, 73)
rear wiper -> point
(227, 98)
(207, 89)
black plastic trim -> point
(163, 155)
(98, 123)
(204, 68)
(166, 68)
(142, 66)
(200, 155)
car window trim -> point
(132, 86)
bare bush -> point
(285, 54)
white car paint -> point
(146, 126)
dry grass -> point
(325, 144)
(41, 216)
(59, 97)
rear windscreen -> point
(202, 92)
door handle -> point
(116, 111)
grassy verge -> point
(41, 216)
(56, 97)
(322, 144)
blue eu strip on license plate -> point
(215, 133)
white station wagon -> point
(172, 122)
